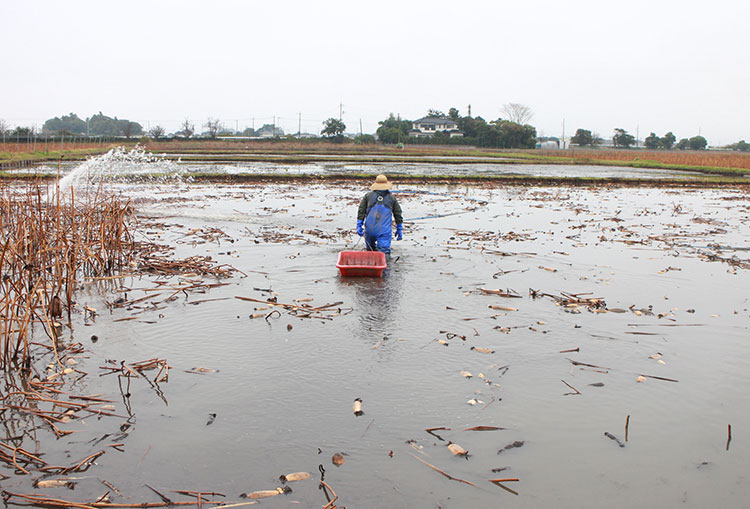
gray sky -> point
(644, 66)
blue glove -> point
(360, 227)
(399, 231)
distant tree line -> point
(500, 133)
(513, 131)
(96, 125)
(741, 146)
(623, 139)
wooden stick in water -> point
(436, 469)
(627, 423)
(729, 435)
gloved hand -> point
(399, 231)
(360, 227)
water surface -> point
(282, 396)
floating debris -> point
(612, 437)
(577, 392)
(55, 483)
(436, 469)
(729, 435)
(513, 445)
(358, 407)
(294, 477)
(457, 450)
(267, 493)
(484, 428)
(482, 349)
(502, 308)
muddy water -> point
(472, 169)
(416, 168)
(282, 397)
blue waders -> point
(378, 222)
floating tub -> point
(361, 263)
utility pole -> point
(253, 123)
(341, 111)
(360, 127)
(236, 126)
(299, 125)
(637, 128)
(469, 114)
(563, 135)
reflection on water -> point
(377, 303)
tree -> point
(582, 138)
(515, 135)
(188, 128)
(667, 141)
(249, 131)
(156, 132)
(652, 141)
(129, 128)
(453, 114)
(683, 144)
(22, 132)
(469, 125)
(487, 135)
(393, 129)
(3, 127)
(435, 113)
(518, 113)
(622, 138)
(698, 143)
(364, 139)
(70, 123)
(102, 125)
(334, 128)
(741, 145)
(213, 125)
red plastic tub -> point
(361, 263)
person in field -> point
(377, 210)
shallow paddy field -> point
(613, 365)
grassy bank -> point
(53, 155)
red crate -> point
(361, 263)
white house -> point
(427, 126)
(270, 131)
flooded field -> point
(586, 346)
(241, 168)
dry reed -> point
(681, 157)
(48, 243)
(46, 145)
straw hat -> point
(381, 183)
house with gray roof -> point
(427, 126)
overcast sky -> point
(655, 65)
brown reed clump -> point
(48, 242)
(693, 158)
